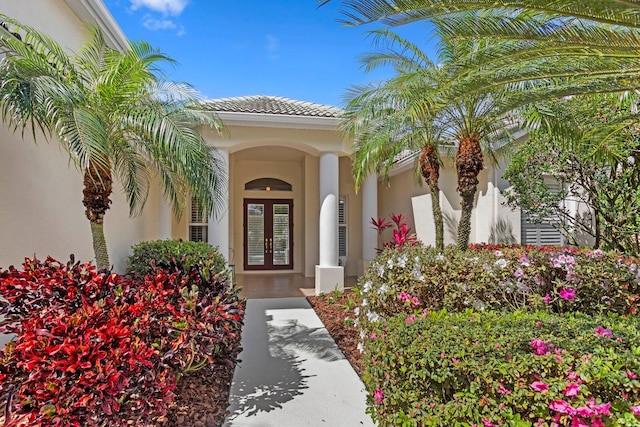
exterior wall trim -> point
(95, 11)
(278, 121)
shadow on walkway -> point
(284, 360)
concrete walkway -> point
(291, 373)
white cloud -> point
(273, 46)
(168, 7)
(158, 24)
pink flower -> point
(539, 347)
(577, 422)
(503, 390)
(562, 407)
(519, 272)
(455, 361)
(597, 422)
(602, 409)
(378, 395)
(546, 299)
(415, 301)
(568, 294)
(600, 330)
(373, 335)
(636, 410)
(539, 386)
(631, 375)
(584, 411)
(572, 389)
(487, 423)
(410, 319)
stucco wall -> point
(489, 216)
(41, 208)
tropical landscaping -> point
(488, 335)
(459, 335)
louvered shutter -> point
(544, 233)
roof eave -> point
(278, 121)
(96, 12)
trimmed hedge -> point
(165, 252)
(478, 365)
(515, 369)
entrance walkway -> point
(282, 285)
(291, 373)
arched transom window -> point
(268, 184)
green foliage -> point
(488, 369)
(498, 278)
(590, 148)
(442, 332)
(164, 251)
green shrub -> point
(186, 253)
(555, 279)
(515, 369)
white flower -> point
(390, 263)
(402, 261)
(360, 347)
(502, 263)
(382, 289)
(498, 253)
(367, 286)
(380, 271)
(373, 317)
(362, 335)
(364, 302)
(356, 311)
(440, 257)
(479, 305)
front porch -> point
(284, 285)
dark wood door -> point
(268, 234)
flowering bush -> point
(514, 369)
(97, 349)
(559, 280)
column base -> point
(329, 279)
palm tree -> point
(552, 49)
(468, 123)
(114, 117)
(386, 122)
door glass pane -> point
(255, 234)
(281, 234)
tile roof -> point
(262, 104)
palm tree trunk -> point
(438, 221)
(468, 167)
(430, 169)
(96, 192)
(99, 245)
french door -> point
(268, 236)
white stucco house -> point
(291, 207)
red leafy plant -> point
(99, 349)
(401, 234)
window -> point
(268, 184)
(342, 226)
(198, 224)
(543, 233)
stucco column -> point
(369, 210)
(329, 275)
(219, 227)
(165, 217)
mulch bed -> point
(333, 309)
(202, 398)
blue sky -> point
(288, 48)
